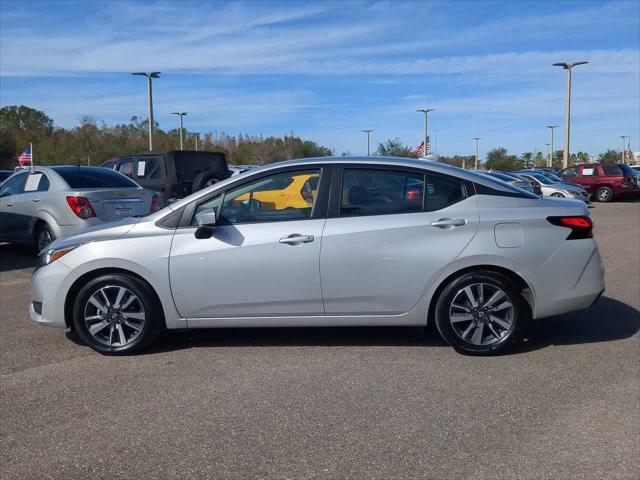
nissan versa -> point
(378, 241)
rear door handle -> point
(448, 222)
(296, 239)
(35, 200)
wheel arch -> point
(77, 285)
(525, 289)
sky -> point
(325, 70)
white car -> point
(379, 241)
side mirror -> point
(206, 220)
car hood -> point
(107, 231)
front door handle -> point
(296, 239)
(35, 200)
(9, 204)
(448, 222)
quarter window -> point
(611, 170)
(280, 197)
(379, 192)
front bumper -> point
(48, 288)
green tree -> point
(610, 156)
(499, 159)
(395, 148)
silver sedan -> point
(44, 203)
(329, 242)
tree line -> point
(92, 142)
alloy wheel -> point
(603, 195)
(114, 316)
(481, 314)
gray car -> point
(44, 203)
(376, 241)
(554, 189)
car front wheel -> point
(481, 313)
(117, 314)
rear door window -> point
(591, 171)
(93, 177)
(149, 168)
(381, 192)
(611, 170)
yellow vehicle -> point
(297, 191)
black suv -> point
(174, 174)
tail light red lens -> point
(414, 195)
(581, 226)
(155, 203)
(81, 207)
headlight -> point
(54, 254)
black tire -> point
(204, 179)
(604, 194)
(492, 282)
(146, 302)
(42, 237)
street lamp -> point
(550, 156)
(150, 76)
(197, 138)
(426, 134)
(624, 146)
(567, 115)
(368, 132)
(180, 114)
(477, 139)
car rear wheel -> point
(117, 314)
(604, 194)
(43, 237)
(481, 313)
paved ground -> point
(331, 403)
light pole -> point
(548, 154)
(180, 114)
(150, 76)
(197, 138)
(426, 133)
(368, 132)
(567, 115)
(477, 139)
(624, 146)
(550, 157)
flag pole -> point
(31, 149)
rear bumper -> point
(565, 286)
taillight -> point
(81, 207)
(155, 203)
(414, 195)
(581, 226)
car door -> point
(389, 233)
(260, 260)
(12, 225)
(589, 177)
(26, 205)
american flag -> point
(24, 160)
(420, 148)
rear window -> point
(612, 170)
(190, 164)
(93, 177)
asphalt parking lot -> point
(331, 403)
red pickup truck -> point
(603, 181)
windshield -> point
(552, 176)
(541, 178)
(93, 177)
